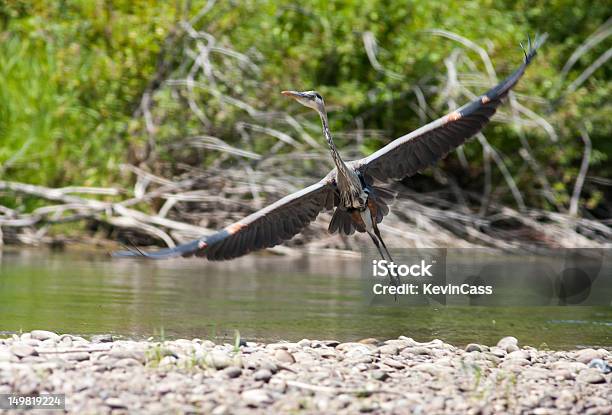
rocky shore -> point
(103, 375)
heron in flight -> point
(349, 189)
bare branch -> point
(589, 71)
(369, 42)
(469, 44)
(584, 167)
(516, 193)
(597, 37)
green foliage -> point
(73, 74)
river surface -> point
(264, 298)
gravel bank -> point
(395, 376)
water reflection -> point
(264, 297)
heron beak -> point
(292, 94)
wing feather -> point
(272, 225)
(265, 228)
(423, 147)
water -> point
(265, 298)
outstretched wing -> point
(265, 228)
(421, 148)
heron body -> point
(352, 189)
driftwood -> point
(423, 220)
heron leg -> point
(377, 243)
(393, 280)
(377, 232)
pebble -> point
(127, 362)
(232, 372)
(22, 350)
(417, 351)
(330, 343)
(565, 399)
(586, 355)
(358, 352)
(263, 375)
(509, 344)
(304, 343)
(591, 375)
(519, 354)
(600, 365)
(512, 348)
(282, 345)
(543, 411)
(363, 359)
(77, 356)
(271, 366)
(563, 374)
(360, 367)
(326, 353)
(393, 363)
(256, 397)
(167, 361)
(380, 375)
(44, 335)
(115, 403)
(218, 360)
(473, 347)
(367, 408)
(492, 358)
(46, 344)
(102, 338)
(284, 356)
(536, 373)
(388, 349)
(220, 410)
(498, 351)
(573, 367)
(345, 347)
(133, 354)
(430, 377)
(515, 362)
(402, 343)
(430, 368)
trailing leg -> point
(375, 239)
(377, 232)
(394, 280)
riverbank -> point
(103, 375)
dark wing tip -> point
(187, 249)
(501, 89)
(128, 253)
(532, 47)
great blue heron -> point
(349, 188)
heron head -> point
(311, 99)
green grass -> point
(72, 75)
(35, 113)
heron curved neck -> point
(342, 167)
(352, 194)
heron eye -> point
(318, 96)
